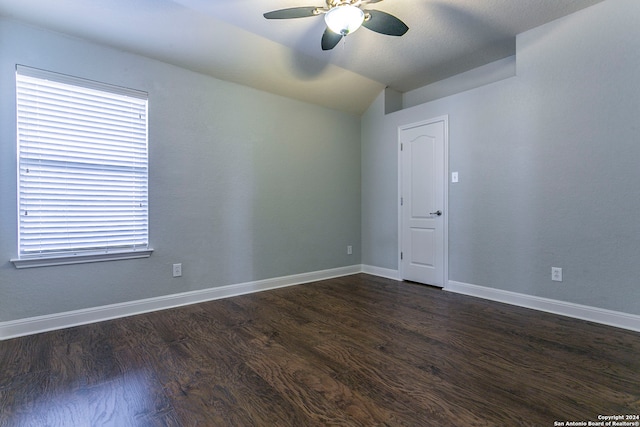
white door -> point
(422, 190)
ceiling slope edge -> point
(213, 48)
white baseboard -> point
(34, 325)
(592, 314)
(382, 272)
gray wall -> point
(549, 164)
(244, 185)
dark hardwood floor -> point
(353, 351)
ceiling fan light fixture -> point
(344, 19)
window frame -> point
(70, 255)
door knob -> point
(438, 212)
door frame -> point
(445, 120)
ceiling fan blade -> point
(383, 23)
(330, 39)
(292, 12)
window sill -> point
(79, 259)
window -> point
(82, 170)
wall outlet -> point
(556, 274)
(349, 250)
(177, 270)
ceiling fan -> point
(344, 17)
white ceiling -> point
(231, 40)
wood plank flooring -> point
(353, 351)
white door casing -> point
(423, 213)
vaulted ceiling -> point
(231, 40)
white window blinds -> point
(83, 166)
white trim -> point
(382, 272)
(34, 325)
(591, 314)
(80, 259)
(445, 120)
